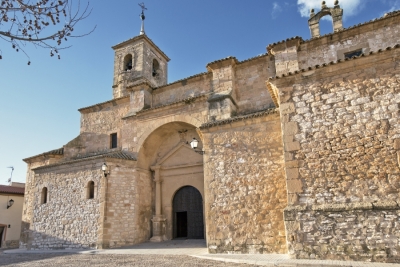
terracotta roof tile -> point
(387, 15)
(186, 100)
(102, 103)
(12, 189)
(240, 118)
(59, 151)
(107, 154)
(333, 63)
(223, 59)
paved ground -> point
(191, 253)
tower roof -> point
(139, 37)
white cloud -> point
(276, 9)
(395, 5)
(351, 7)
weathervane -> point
(142, 17)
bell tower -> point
(138, 60)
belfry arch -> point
(172, 164)
(336, 13)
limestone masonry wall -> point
(96, 127)
(341, 132)
(135, 132)
(250, 84)
(182, 90)
(370, 37)
(129, 207)
(69, 219)
(245, 191)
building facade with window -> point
(298, 152)
(12, 201)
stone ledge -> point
(289, 213)
(265, 112)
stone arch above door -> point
(157, 124)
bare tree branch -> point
(39, 22)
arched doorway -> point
(188, 213)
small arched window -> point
(128, 62)
(156, 67)
(44, 195)
(90, 190)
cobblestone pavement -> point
(178, 253)
(62, 260)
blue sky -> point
(38, 103)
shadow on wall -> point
(34, 240)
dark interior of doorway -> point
(181, 224)
(188, 214)
(1, 235)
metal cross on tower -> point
(142, 17)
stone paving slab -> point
(197, 248)
(283, 260)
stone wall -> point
(357, 231)
(245, 191)
(341, 129)
(370, 37)
(97, 123)
(136, 129)
(182, 90)
(29, 197)
(69, 219)
(250, 84)
(129, 206)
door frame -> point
(174, 213)
(3, 235)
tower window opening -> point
(128, 62)
(156, 67)
(355, 53)
(44, 196)
(90, 188)
(113, 140)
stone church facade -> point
(299, 152)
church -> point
(295, 151)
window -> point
(44, 195)
(128, 62)
(113, 140)
(355, 53)
(156, 67)
(90, 190)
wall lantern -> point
(105, 170)
(10, 203)
(194, 145)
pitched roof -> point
(143, 36)
(107, 154)
(12, 189)
(103, 103)
(58, 151)
(240, 118)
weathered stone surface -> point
(245, 189)
(347, 129)
(294, 186)
(348, 235)
(336, 140)
(55, 225)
